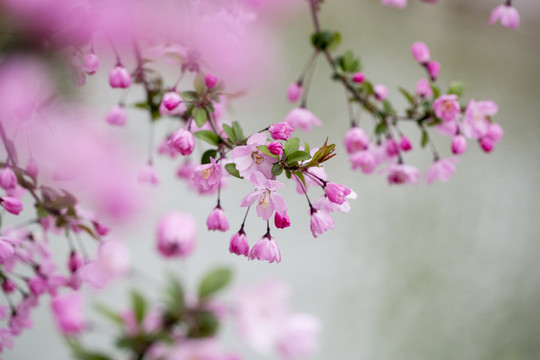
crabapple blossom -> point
(239, 244)
(249, 159)
(280, 131)
(217, 220)
(119, 77)
(381, 92)
(400, 4)
(176, 234)
(423, 89)
(392, 147)
(441, 169)
(172, 104)
(294, 92)
(336, 192)
(507, 15)
(275, 148)
(302, 118)
(268, 200)
(358, 77)
(459, 144)
(420, 52)
(364, 160)
(265, 249)
(446, 107)
(299, 337)
(478, 118)
(321, 222)
(68, 312)
(148, 175)
(182, 141)
(434, 69)
(6, 250)
(207, 177)
(11, 204)
(8, 180)
(117, 115)
(356, 140)
(282, 221)
(486, 144)
(405, 144)
(113, 261)
(495, 132)
(402, 174)
(90, 63)
(210, 81)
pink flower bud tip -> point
(91, 63)
(392, 148)
(420, 52)
(275, 148)
(459, 144)
(210, 81)
(282, 221)
(405, 144)
(217, 220)
(486, 144)
(381, 92)
(434, 69)
(11, 204)
(358, 77)
(336, 192)
(117, 116)
(239, 244)
(281, 131)
(119, 77)
(8, 179)
(294, 92)
(171, 100)
(182, 141)
(75, 262)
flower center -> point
(264, 201)
(207, 172)
(257, 157)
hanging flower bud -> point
(182, 141)
(117, 116)
(507, 15)
(459, 144)
(321, 222)
(176, 234)
(434, 69)
(75, 262)
(8, 286)
(32, 168)
(275, 148)
(217, 220)
(420, 52)
(239, 244)
(423, 89)
(495, 132)
(294, 92)
(486, 144)
(381, 92)
(172, 104)
(68, 312)
(356, 140)
(280, 131)
(148, 175)
(281, 220)
(11, 204)
(336, 192)
(91, 63)
(392, 148)
(358, 77)
(119, 77)
(405, 144)
(210, 81)
(8, 179)
(6, 250)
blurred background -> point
(447, 271)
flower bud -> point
(280, 131)
(148, 175)
(119, 77)
(364, 160)
(182, 141)
(381, 92)
(336, 192)
(176, 234)
(294, 92)
(358, 77)
(117, 116)
(459, 144)
(420, 52)
(6, 250)
(217, 220)
(486, 144)
(8, 179)
(32, 168)
(282, 221)
(423, 89)
(100, 228)
(275, 148)
(405, 143)
(11, 204)
(239, 244)
(75, 262)
(68, 313)
(434, 69)
(356, 140)
(8, 285)
(321, 222)
(495, 132)
(210, 81)
(507, 15)
(171, 100)
(392, 148)
(91, 63)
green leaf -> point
(456, 88)
(425, 138)
(388, 107)
(277, 169)
(238, 131)
(214, 281)
(207, 155)
(205, 325)
(306, 148)
(380, 128)
(264, 149)
(230, 133)
(436, 91)
(325, 40)
(348, 63)
(138, 303)
(82, 354)
(208, 136)
(231, 169)
(200, 116)
(174, 297)
(298, 156)
(109, 314)
(291, 146)
(199, 85)
(407, 95)
(288, 174)
(189, 95)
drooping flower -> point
(268, 200)
(265, 249)
(321, 222)
(381, 92)
(302, 118)
(423, 89)
(280, 131)
(356, 140)
(182, 141)
(239, 244)
(478, 118)
(294, 92)
(119, 77)
(249, 159)
(336, 192)
(217, 220)
(446, 107)
(405, 144)
(207, 177)
(298, 339)
(459, 144)
(68, 312)
(117, 115)
(8, 179)
(434, 69)
(176, 234)
(507, 15)
(90, 63)
(402, 174)
(11, 204)
(441, 169)
(282, 221)
(420, 52)
(148, 175)
(113, 261)
(365, 160)
(400, 4)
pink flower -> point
(477, 120)
(336, 192)
(182, 141)
(37, 285)
(282, 221)
(148, 175)
(6, 339)
(119, 77)
(434, 69)
(8, 180)
(402, 174)
(6, 250)
(358, 77)
(459, 144)
(400, 4)
(392, 148)
(405, 143)
(11, 204)
(90, 63)
(280, 131)
(441, 169)
(323, 203)
(249, 159)
(381, 92)
(321, 222)
(364, 160)
(266, 249)
(207, 177)
(268, 200)
(486, 144)
(446, 107)
(298, 339)
(275, 148)
(172, 104)
(32, 168)
(68, 312)
(495, 132)
(210, 81)
(420, 52)
(356, 140)
(239, 244)
(176, 234)
(294, 92)
(507, 15)
(101, 229)
(302, 118)
(8, 286)
(117, 115)
(75, 262)
(113, 261)
(423, 89)
(317, 173)
(448, 128)
(217, 220)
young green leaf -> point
(200, 116)
(208, 136)
(214, 281)
(207, 155)
(425, 138)
(238, 131)
(230, 133)
(298, 156)
(264, 149)
(231, 169)
(291, 146)
(138, 304)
